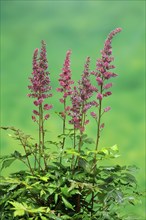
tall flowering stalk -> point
(65, 82)
(40, 88)
(80, 100)
(103, 74)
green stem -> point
(96, 146)
(35, 156)
(98, 126)
(64, 124)
(43, 139)
(24, 146)
(64, 127)
(81, 134)
(36, 161)
(40, 136)
(74, 145)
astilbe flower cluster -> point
(65, 82)
(104, 70)
(40, 82)
(80, 99)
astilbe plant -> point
(64, 178)
(40, 88)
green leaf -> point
(114, 148)
(44, 178)
(89, 141)
(16, 154)
(67, 203)
(19, 208)
(65, 191)
(130, 178)
(19, 212)
(56, 198)
(51, 190)
(72, 152)
(2, 158)
(4, 128)
(42, 192)
(132, 168)
(53, 216)
(39, 210)
(119, 196)
(66, 217)
(104, 151)
(74, 192)
(7, 163)
(85, 165)
(14, 186)
(91, 152)
(43, 218)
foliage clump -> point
(64, 178)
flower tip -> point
(119, 29)
(36, 50)
(43, 42)
(69, 52)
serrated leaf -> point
(19, 212)
(17, 154)
(44, 178)
(73, 186)
(89, 141)
(74, 192)
(114, 148)
(67, 203)
(13, 187)
(65, 191)
(72, 152)
(51, 190)
(132, 168)
(7, 163)
(18, 205)
(130, 178)
(38, 210)
(19, 208)
(104, 151)
(42, 192)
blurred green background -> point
(81, 26)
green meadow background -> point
(81, 26)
